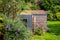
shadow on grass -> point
(54, 28)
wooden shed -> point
(35, 19)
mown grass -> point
(53, 34)
(54, 27)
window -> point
(25, 21)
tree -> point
(52, 5)
(10, 8)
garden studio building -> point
(35, 19)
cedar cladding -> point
(39, 22)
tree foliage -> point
(9, 8)
(13, 7)
(52, 5)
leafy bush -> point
(55, 16)
(50, 16)
(15, 29)
(58, 16)
(38, 31)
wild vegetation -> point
(14, 7)
(14, 29)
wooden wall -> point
(39, 21)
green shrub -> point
(58, 16)
(50, 16)
(15, 29)
(38, 31)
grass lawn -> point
(54, 34)
(54, 27)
